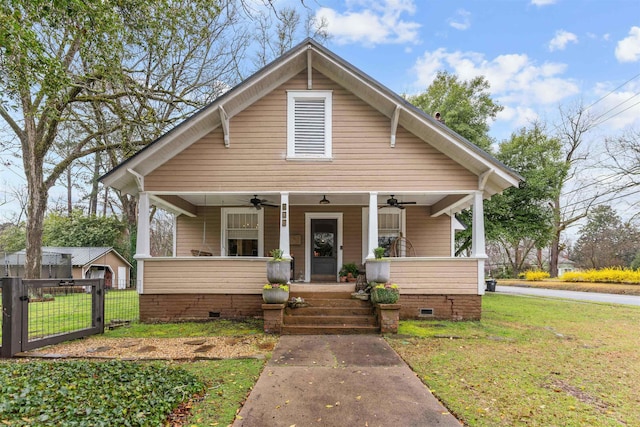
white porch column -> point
(478, 249)
(284, 225)
(373, 224)
(477, 233)
(142, 241)
(143, 246)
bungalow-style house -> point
(312, 156)
(63, 262)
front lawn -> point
(531, 361)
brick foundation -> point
(445, 307)
(154, 308)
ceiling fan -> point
(394, 203)
(259, 203)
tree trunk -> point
(36, 208)
(555, 243)
(93, 197)
(69, 194)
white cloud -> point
(628, 49)
(462, 20)
(371, 22)
(517, 82)
(561, 39)
(542, 2)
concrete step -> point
(320, 295)
(341, 320)
(328, 329)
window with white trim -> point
(391, 225)
(309, 124)
(242, 232)
(389, 229)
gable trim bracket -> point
(394, 124)
(139, 179)
(483, 178)
(224, 120)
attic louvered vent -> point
(309, 125)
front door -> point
(324, 250)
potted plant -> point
(278, 268)
(379, 268)
(275, 293)
(385, 293)
(349, 271)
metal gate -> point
(43, 312)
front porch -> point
(198, 288)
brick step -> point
(340, 320)
(330, 302)
(320, 295)
(329, 330)
(328, 311)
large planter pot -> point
(279, 271)
(275, 296)
(378, 271)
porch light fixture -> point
(324, 200)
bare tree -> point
(575, 196)
(148, 63)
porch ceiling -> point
(439, 200)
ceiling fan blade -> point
(406, 203)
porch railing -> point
(247, 275)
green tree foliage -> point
(12, 237)
(82, 230)
(521, 219)
(606, 241)
(466, 106)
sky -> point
(537, 55)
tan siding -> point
(256, 160)
(204, 275)
(430, 237)
(190, 232)
(435, 276)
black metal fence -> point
(36, 313)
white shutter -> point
(309, 128)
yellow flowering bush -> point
(535, 275)
(603, 275)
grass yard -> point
(607, 288)
(73, 312)
(533, 362)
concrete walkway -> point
(582, 296)
(340, 380)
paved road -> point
(583, 296)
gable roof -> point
(80, 256)
(311, 54)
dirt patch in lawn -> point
(160, 348)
